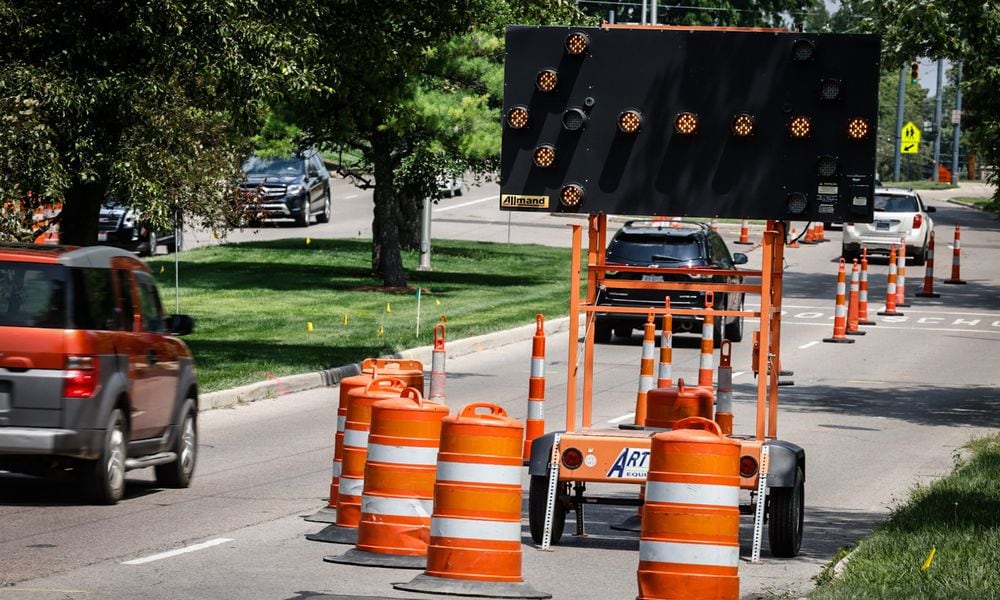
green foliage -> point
(711, 13)
(153, 102)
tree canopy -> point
(153, 102)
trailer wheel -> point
(538, 495)
(785, 514)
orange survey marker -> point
(436, 392)
(536, 388)
(645, 369)
(840, 312)
(399, 483)
(956, 259)
(863, 292)
(706, 360)
(890, 288)
(475, 544)
(854, 300)
(689, 546)
(664, 378)
(724, 393)
(410, 371)
(928, 291)
(352, 476)
(901, 275)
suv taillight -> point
(917, 221)
(82, 377)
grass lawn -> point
(981, 203)
(252, 301)
(958, 518)
(919, 185)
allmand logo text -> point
(518, 201)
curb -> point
(280, 386)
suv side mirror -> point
(179, 324)
(739, 258)
(930, 209)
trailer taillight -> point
(517, 117)
(572, 458)
(748, 466)
(547, 79)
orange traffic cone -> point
(645, 369)
(901, 275)
(890, 288)
(928, 291)
(793, 241)
(536, 388)
(854, 301)
(724, 391)
(744, 233)
(707, 343)
(663, 374)
(840, 312)
(863, 293)
(436, 392)
(956, 259)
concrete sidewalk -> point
(279, 386)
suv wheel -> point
(602, 331)
(178, 474)
(734, 330)
(324, 217)
(105, 477)
(623, 331)
(149, 248)
(302, 220)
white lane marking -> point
(889, 325)
(738, 373)
(177, 552)
(622, 418)
(348, 197)
(809, 345)
(464, 204)
(929, 312)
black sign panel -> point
(728, 123)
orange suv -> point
(93, 380)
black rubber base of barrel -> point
(335, 534)
(371, 559)
(323, 515)
(465, 587)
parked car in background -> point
(676, 245)
(900, 217)
(123, 227)
(449, 185)
(293, 187)
(93, 381)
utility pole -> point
(425, 237)
(899, 123)
(937, 120)
(958, 125)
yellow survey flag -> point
(930, 557)
(309, 326)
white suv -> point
(899, 215)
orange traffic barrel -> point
(398, 498)
(475, 545)
(689, 546)
(668, 405)
(352, 476)
(409, 371)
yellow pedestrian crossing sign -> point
(909, 138)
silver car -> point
(899, 215)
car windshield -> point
(901, 204)
(275, 167)
(32, 295)
(649, 248)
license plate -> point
(658, 278)
(102, 236)
(882, 225)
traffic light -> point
(914, 72)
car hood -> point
(259, 179)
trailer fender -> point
(541, 453)
(784, 460)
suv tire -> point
(734, 330)
(602, 331)
(324, 215)
(105, 477)
(178, 474)
(302, 219)
(623, 331)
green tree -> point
(417, 93)
(712, 13)
(153, 102)
(960, 30)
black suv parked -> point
(290, 187)
(672, 245)
(123, 227)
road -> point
(876, 418)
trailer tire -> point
(538, 495)
(786, 512)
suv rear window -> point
(904, 204)
(38, 295)
(646, 247)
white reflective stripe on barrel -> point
(665, 371)
(536, 409)
(479, 473)
(840, 310)
(692, 493)
(396, 507)
(336, 468)
(705, 362)
(355, 438)
(341, 423)
(689, 554)
(645, 383)
(647, 349)
(402, 455)
(537, 367)
(475, 529)
(351, 487)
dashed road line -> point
(464, 204)
(809, 345)
(177, 552)
(622, 418)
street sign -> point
(956, 117)
(909, 138)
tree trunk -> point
(386, 258)
(81, 208)
(408, 214)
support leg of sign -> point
(550, 504)
(578, 488)
(758, 516)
